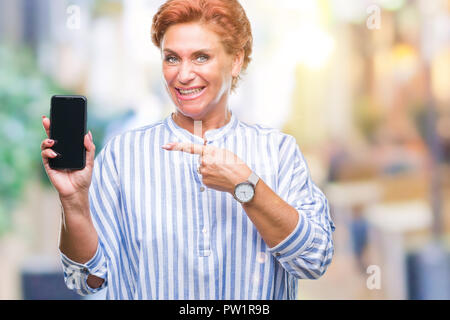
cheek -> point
(225, 73)
(169, 74)
(217, 75)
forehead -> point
(184, 38)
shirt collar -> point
(210, 135)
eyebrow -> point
(205, 50)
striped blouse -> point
(164, 235)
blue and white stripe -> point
(162, 237)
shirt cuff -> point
(95, 266)
(296, 242)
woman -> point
(198, 205)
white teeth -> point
(187, 92)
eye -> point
(171, 59)
(202, 58)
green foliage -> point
(24, 96)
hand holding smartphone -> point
(70, 172)
(68, 117)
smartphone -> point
(68, 117)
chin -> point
(194, 112)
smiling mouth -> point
(190, 93)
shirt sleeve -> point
(104, 203)
(308, 250)
(76, 274)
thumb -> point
(90, 149)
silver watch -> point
(245, 191)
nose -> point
(186, 73)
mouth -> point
(189, 93)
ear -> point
(238, 61)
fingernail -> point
(90, 136)
(168, 145)
(56, 154)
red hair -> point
(226, 17)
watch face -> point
(244, 192)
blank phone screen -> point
(68, 127)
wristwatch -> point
(245, 191)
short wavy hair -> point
(226, 17)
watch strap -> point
(253, 179)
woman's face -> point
(197, 70)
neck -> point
(198, 127)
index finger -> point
(188, 147)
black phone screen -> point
(68, 116)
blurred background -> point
(364, 86)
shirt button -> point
(278, 254)
(202, 189)
(205, 230)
